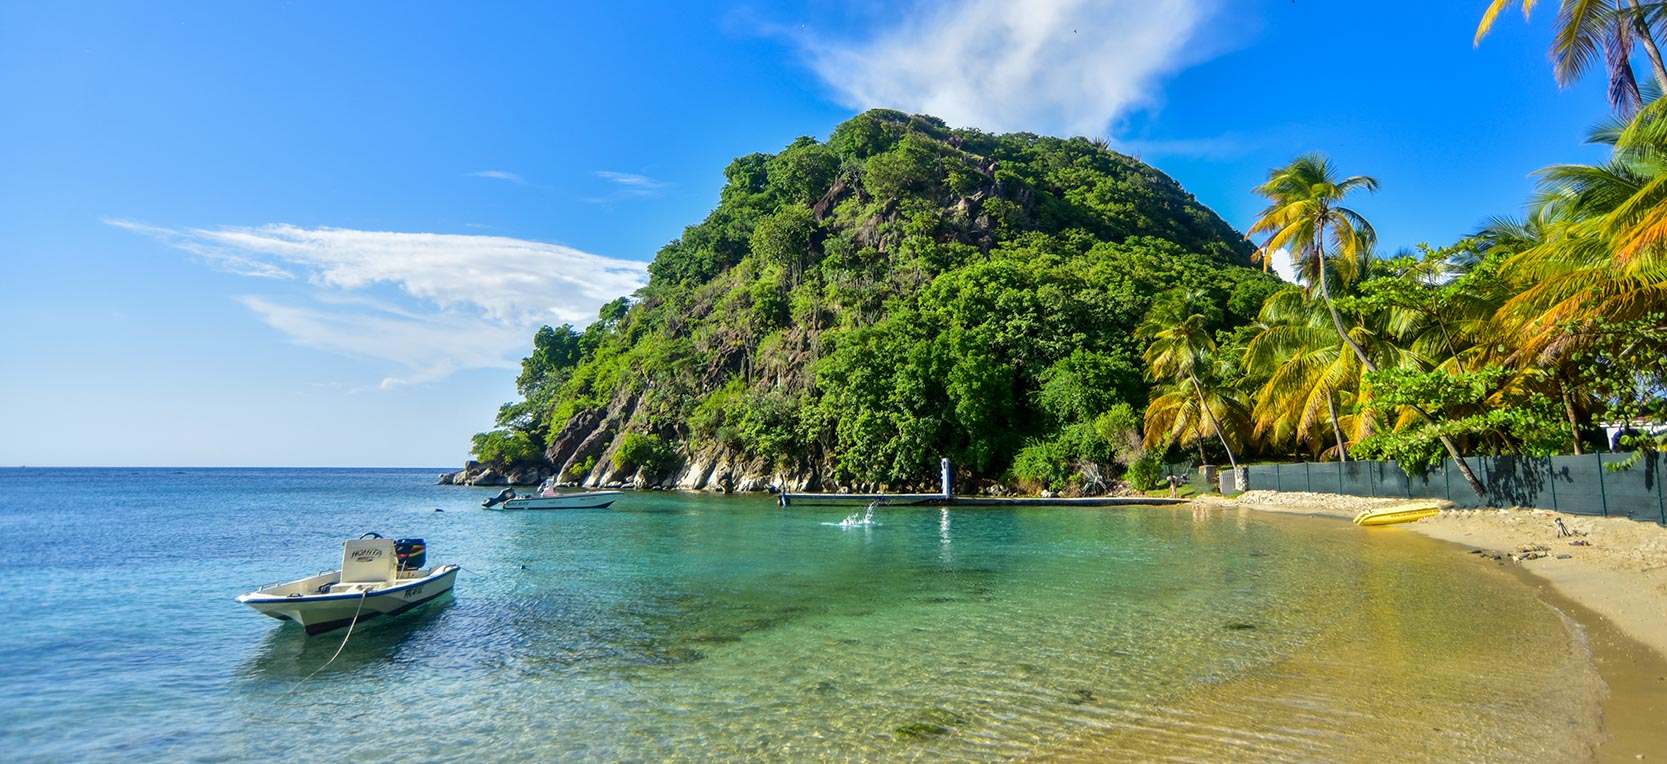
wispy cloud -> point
(219, 257)
(466, 301)
(1217, 147)
(499, 175)
(631, 180)
(1052, 66)
(626, 185)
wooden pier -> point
(941, 500)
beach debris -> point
(1563, 556)
(1580, 542)
(1239, 626)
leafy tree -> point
(786, 239)
(1527, 423)
(505, 448)
(803, 172)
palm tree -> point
(1178, 415)
(1305, 214)
(1181, 352)
(1501, 240)
(1586, 28)
(1594, 279)
(1602, 251)
(1306, 370)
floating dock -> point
(946, 497)
(941, 500)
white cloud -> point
(1280, 260)
(469, 301)
(631, 180)
(1050, 66)
(499, 175)
(424, 347)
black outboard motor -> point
(503, 496)
(411, 553)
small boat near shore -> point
(1400, 513)
(378, 577)
(549, 498)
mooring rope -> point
(363, 595)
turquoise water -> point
(707, 628)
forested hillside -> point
(853, 310)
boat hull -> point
(1404, 513)
(320, 613)
(587, 500)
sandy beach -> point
(1610, 575)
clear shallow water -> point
(676, 627)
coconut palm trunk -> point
(1214, 425)
(1641, 28)
(1574, 418)
(1337, 428)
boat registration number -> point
(414, 591)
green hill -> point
(853, 310)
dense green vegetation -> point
(857, 309)
(1049, 312)
(1515, 340)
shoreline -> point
(1613, 585)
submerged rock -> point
(922, 729)
(933, 723)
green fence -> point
(1579, 485)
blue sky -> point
(317, 234)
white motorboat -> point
(549, 498)
(378, 577)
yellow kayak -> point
(1400, 513)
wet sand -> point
(1610, 577)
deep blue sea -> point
(677, 627)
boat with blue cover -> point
(547, 497)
